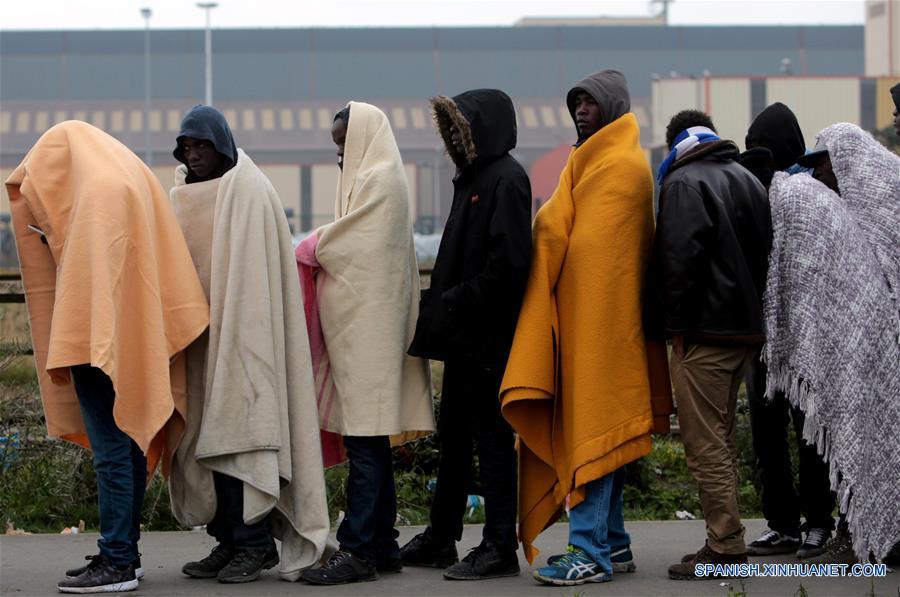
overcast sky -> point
(169, 14)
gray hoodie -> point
(610, 89)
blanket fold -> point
(113, 286)
(577, 387)
(252, 409)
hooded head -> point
(207, 125)
(484, 122)
(610, 92)
(776, 128)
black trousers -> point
(782, 502)
(367, 530)
(228, 525)
(470, 419)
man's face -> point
(588, 116)
(456, 139)
(339, 136)
(201, 157)
(824, 173)
(897, 121)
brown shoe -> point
(686, 569)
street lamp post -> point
(208, 6)
(148, 154)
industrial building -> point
(279, 88)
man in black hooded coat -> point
(774, 144)
(467, 319)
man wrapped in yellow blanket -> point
(581, 374)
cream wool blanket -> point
(251, 406)
(368, 292)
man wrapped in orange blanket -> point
(112, 296)
(581, 377)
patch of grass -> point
(46, 485)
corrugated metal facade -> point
(280, 88)
(817, 102)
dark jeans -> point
(782, 504)
(120, 466)
(367, 530)
(228, 525)
(469, 418)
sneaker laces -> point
(94, 561)
(476, 553)
(769, 535)
(241, 557)
(337, 558)
(216, 551)
(817, 536)
(570, 556)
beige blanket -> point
(251, 407)
(368, 291)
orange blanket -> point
(577, 388)
(114, 286)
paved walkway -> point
(32, 564)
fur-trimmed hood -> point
(486, 120)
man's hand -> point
(678, 346)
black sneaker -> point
(423, 550)
(838, 550)
(341, 568)
(483, 562)
(388, 565)
(247, 564)
(138, 569)
(101, 576)
(771, 543)
(814, 544)
(209, 566)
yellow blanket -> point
(577, 388)
(114, 286)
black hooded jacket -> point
(207, 123)
(774, 142)
(471, 308)
(710, 255)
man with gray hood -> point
(467, 319)
(582, 386)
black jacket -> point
(711, 250)
(470, 310)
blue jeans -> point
(367, 530)
(597, 525)
(120, 466)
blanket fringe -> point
(781, 377)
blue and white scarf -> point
(684, 142)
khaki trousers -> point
(706, 383)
